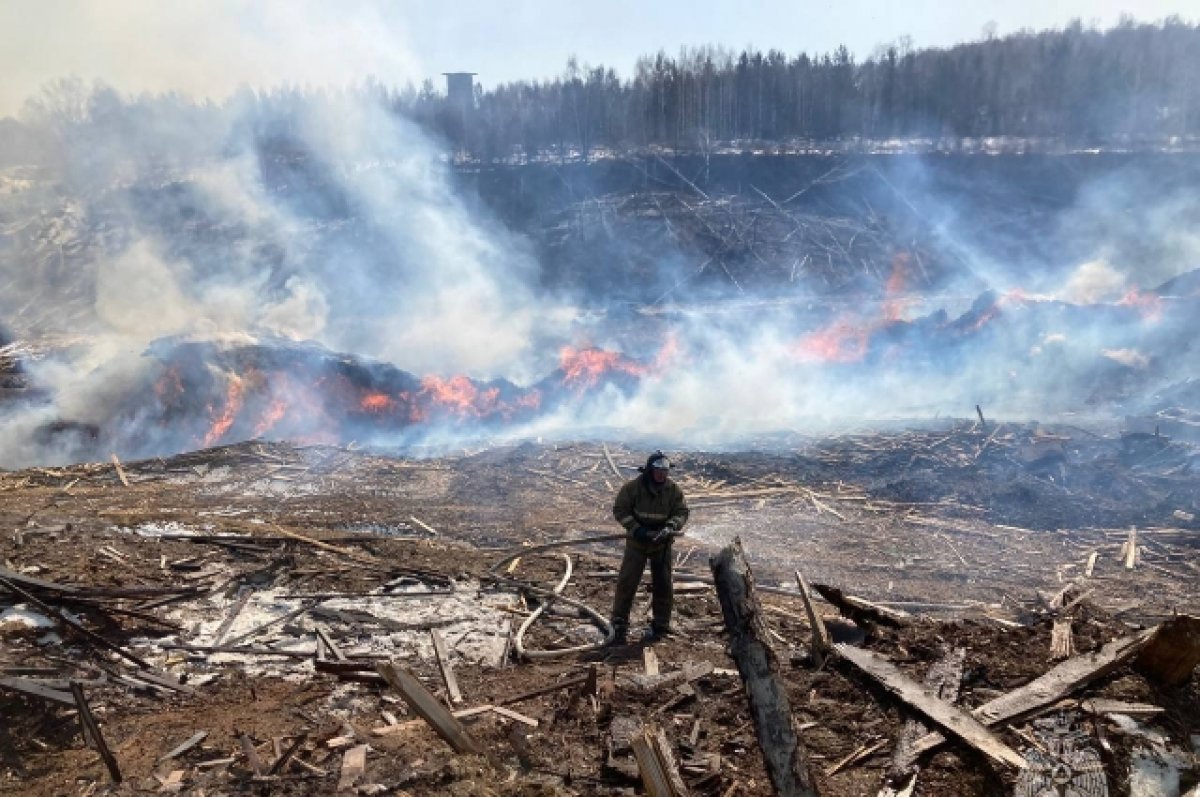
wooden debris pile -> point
(176, 625)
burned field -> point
(248, 618)
(274, 520)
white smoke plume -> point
(326, 217)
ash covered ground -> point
(961, 388)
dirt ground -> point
(970, 535)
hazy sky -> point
(209, 47)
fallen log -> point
(950, 717)
(783, 754)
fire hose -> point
(553, 595)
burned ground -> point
(960, 525)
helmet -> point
(658, 461)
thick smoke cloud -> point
(289, 217)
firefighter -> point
(652, 510)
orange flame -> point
(840, 342)
(459, 394)
(584, 367)
(377, 402)
(1149, 305)
(234, 398)
(273, 415)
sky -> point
(210, 47)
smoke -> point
(289, 227)
(199, 49)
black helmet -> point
(658, 461)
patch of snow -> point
(21, 618)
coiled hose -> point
(553, 595)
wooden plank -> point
(251, 755)
(822, 643)
(650, 661)
(92, 731)
(774, 724)
(953, 719)
(428, 708)
(515, 715)
(944, 681)
(425, 526)
(357, 556)
(443, 660)
(656, 763)
(120, 471)
(354, 767)
(77, 627)
(282, 760)
(239, 603)
(191, 742)
(616, 471)
(1056, 684)
(1062, 641)
(37, 690)
(462, 713)
(323, 638)
(859, 609)
(554, 687)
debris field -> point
(963, 608)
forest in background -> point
(1132, 86)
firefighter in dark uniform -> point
(653, 510)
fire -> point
(458, 394)
(1149, 305)
(840, 342)
(670, 352)
(377, 402)
(234, 399)
(274, 413)
(584, 367)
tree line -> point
(1133, 84)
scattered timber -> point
(774, 724)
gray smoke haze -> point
(323, 216)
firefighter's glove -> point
(666, 534)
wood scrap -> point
(860, 610)
(943, 681)
(120, 471)
(91, 732)
(515, 715)
(955, 720)
(184, 746)
(252, 759)
(656, 763)
(1172, 652)
(1062, 640)
(822, 643)
(1056, 684)
(354, 767)
(422, 701)
(447, 669)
